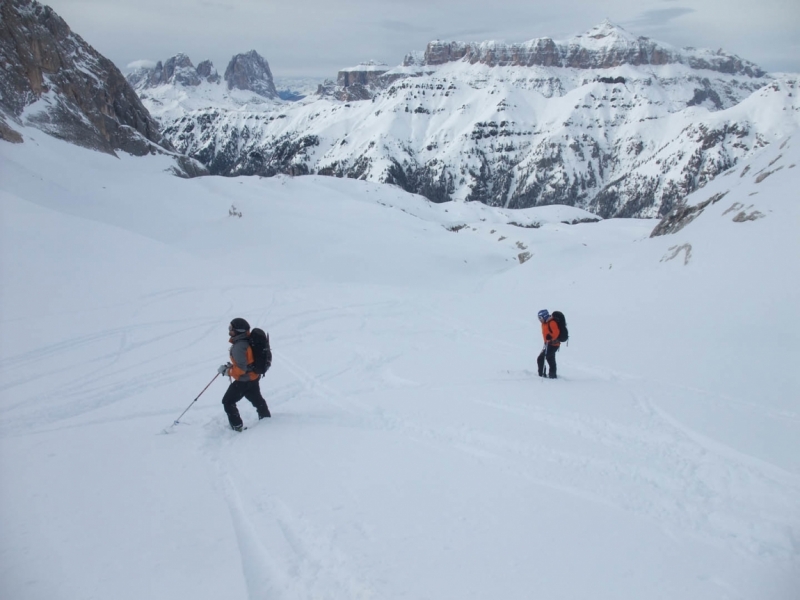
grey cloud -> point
(137, 64)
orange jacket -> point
(550, 328)
(241, 357)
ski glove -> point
(223, 369)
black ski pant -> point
(244, 389)
(550, 354)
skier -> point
(550, 334)
(240, 370)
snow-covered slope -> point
(616, 124)
(413, 452)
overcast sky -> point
(318, 37)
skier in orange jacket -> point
(244, 382)
(550, 333)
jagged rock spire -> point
(250, 71)
(176, 70)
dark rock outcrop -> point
(366, 74)
(250, 71)
(179, 69)
(79, 95)
(8, 133)
(350, 93)
(362, 82)
(680, 216)
(207, 71)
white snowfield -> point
(413, 451)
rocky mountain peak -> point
(179, 69)
(176, 70)
(250, 71)
(607, 29)
(52, 79)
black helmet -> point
(239, 324)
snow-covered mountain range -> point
(607, 121)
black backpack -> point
(262, 353)
(563, 334)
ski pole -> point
(175, 422)
(544, 360)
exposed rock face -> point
(180, 70)
(52, 79)
(206, 70)
(357, 83)
(177, 70)
(8, 133)
(414, 59)
(250, 72)
(604, 47)
(351, 93)
(367, 73)
(680, 216)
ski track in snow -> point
(651, 465)
(665, 472)
(79, 393)
(283, 555)
(660, 469)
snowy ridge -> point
(604, 46)
(633, 139)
